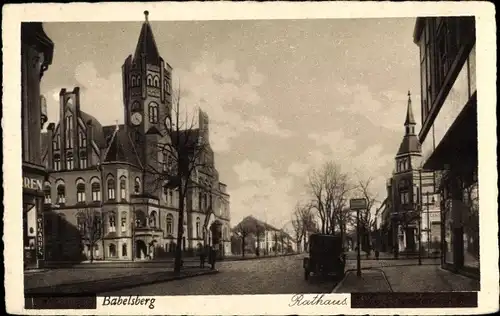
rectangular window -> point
(124, 224)
(80, 196)
(57, 164)
(83, 162)
(96, 196)
(69, 163)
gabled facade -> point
(106, 173)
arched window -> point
(82, 140)
(205, 201)
(124, 250)
(165, 192)
(135, 107)
(140, 219)
(61, 193)
(47, 193)
(69, 131)
(83, 160)
(170, 224)
(138, 82)
(152, 219)
(137, 185)
(123, 188)
(167, 86)
(69, 161)
(96, 190)
(111, 189)
(200, 200)
(112, 221)
(123, 219)
(149, 80)
(80, 191)
(112, 250)
(133, 81)
(198, 227)
(156, 81)
(56, 142)
(153, 113)
(171, 196)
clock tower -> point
(147, 93)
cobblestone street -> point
(281, 275)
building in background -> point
(103, 200)
(36, 56)
(409, 182)
(449, 132)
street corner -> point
(370, 280)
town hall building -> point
(105, 198)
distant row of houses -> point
(255, 237)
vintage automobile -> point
(326, 256)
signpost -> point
(357, 205)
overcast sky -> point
(283, 96)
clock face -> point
(136, 118)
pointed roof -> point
(120, 147)
(146, 44)
(410, 142)
(410, 120)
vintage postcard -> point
(271, 158)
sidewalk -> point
(370, 281)
(428, 278)
(69, 281)
(405, 278)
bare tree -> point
(89, 221)
(243, 230)
(303, 221)
(180, 153)
(259, 230)
(365, 220)
(329, 187)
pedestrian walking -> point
(212, 257)
(376, 254)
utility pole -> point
(419, 207)
(428, 227)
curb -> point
(336, 288)
(256, 258)
(50, 290)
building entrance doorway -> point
(141, 250)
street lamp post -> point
(358, 243)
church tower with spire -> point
(147, 93)
(405, 181)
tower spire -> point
(146, 45)
(410, 120)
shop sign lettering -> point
(33, 184)
(39, 238)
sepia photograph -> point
(328, 161)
